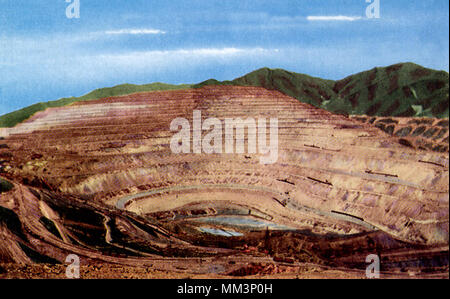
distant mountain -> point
(305, 88)
(13, 118)
(404, 89)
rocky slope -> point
(98, 179)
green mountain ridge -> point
(16, 117)
(404, 89)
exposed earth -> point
(98, 179)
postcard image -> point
(215, 140)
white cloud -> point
(157, 62)
(136, 31)
(167, 56)
(333, 18)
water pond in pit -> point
(220, 232)
(244, 222)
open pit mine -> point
(98, 179)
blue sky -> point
(45, 56)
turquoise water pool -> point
(220, 232)
(243, 221)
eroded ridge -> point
(429, 134)
(99, 179)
